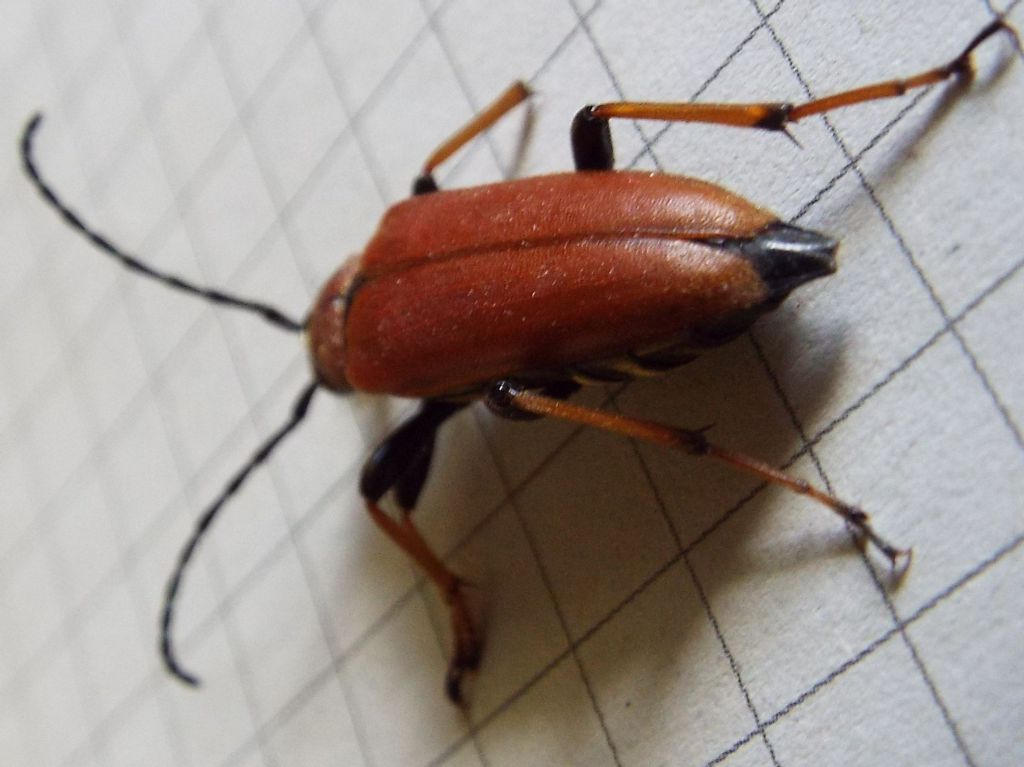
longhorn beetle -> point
(516, 293)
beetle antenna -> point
(269, 313)
(203, 525)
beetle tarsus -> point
(961, 65)
(468, 644)
(859, 520)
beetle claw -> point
(899, 561)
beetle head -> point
(325, 330)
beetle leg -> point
(468, 644)
(591, 138)
(514, 95)
(403, 448)
(400, 464)
(505, 395)
(557, 389)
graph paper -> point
(641, 608)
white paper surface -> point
(642, 608)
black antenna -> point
(203, 524)
(269, 313)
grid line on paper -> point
(189, 334)
(893, 632)
(733, 665)
(265, 723)
(236, 649)
(705, 602)
(164, 365)
(241, 663)
(86, 683)
(149, 242)
(905, 250)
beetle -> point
(517, 293)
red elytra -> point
(461, 288)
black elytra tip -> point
(787, 256)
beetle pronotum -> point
(517, 292)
